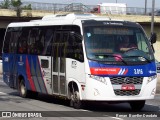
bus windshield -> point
(117, 43)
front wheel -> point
(75, 100)
(137, 105)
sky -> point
(130, 3)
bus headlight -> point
(151, 78)
(98, 78)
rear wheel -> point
(23, 90)
(137, 105)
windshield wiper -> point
(146, 59)
(108, 55)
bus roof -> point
(64, 19)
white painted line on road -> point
(154, 106)
(150, 104)
(117, 118)
(3, 93)
(85, 110)
(104, 115)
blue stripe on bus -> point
(33, 72)
(115, 70)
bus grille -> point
(126, 80)
(127, 93)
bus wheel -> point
(75, 100)
(137, 105)
(22, 89)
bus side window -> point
(6, 42)
(22, 42)
(22, 47)
(13, 41)
(48, 36)
(74, 48)
(40, 41)
(142, 43)
(35, 43)
(55, 51)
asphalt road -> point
(47, 106)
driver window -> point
(142, 43)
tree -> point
(27, 7)
(17, 5)
(5, 4)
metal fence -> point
(79, 7)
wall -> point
(3, 24)
(157, 44)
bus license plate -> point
(128, 87)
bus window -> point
(74, 48)
(48, 36)
(142, 43)
(13, 41)
(6, 42)
(62, 46)
(35, 43)
(55, 51)
(22, 47)
(44, 63)
(22, 43)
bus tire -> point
(75, 100)
(137, 105)
(22, 89)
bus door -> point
(59, 63)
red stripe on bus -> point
(28, 72)
(104, 71)
(126, 71)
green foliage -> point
(16, 3)
(5, 4)
(27, 7)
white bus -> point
(78, 57)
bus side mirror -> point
(153, 38)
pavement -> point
(158, 84)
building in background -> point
(111, 8)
